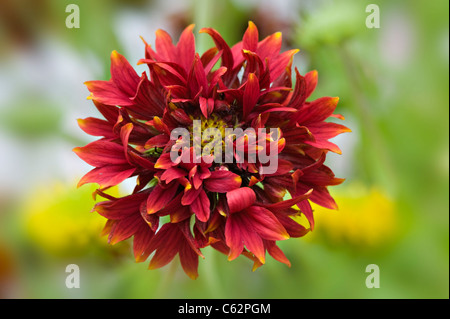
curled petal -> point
(239, 199)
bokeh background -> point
(393, 87)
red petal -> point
(107, 176)
(160, 196)
(122, 207)
(164, 46)
(289, 202)
(186, 48)
(101, 153)
(311, 82)
(200, 207)
(110, 112)
(190, 194)
(189, 260)
(125, 132)
(209, 56)
(265, 223)
(281, 62)
(227, 56)
(327, 130)
(251, 94)
(276, 252)
(141, 242)
(125, 228)
(197, 81)
(106, 92)
(97, 127)
(164, 162)
(240, 198)
(305, 208)
(253, 242)
(317, 111)
(123, 74)
(222, 181)
(250, 39)
(148, 101)
(293, 228)
(270, 46)
(157, 141)
(166, 242)
(233, 231)
(206, 106)
(172, 173)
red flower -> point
(234, 203)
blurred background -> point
(393, 207)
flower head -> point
(216, 142)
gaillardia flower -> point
(192, 191)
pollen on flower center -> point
(207, 134)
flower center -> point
(208, 133)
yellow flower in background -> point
(58, 220)
(366, 219)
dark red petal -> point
(97, 127)
(107, 176)
(284, 167)
(190, 194)
(125, 132)
(164, 162)
(270, 46)
(110, 112)
(166, 242)
(222, 181)
(317, 111)
(123, 75)
(326, 130)
(125, 228)
(240, 199)
(281, 62)
(122, 207)
(253, 241)
(276, 252)
(148, 102)
(311, 82)
(305, 208)
(157, 141)
(209, 56)
(160, 196)
(164, 46)
(172, 173)
(288, 203)
(265, 223)
(101, 153)
(206, 106)
(186, 48)
(293, 228)
(200, 206)
(250, 38)
(141, 242)
(227, 56)
(233, 232)
(106, 92)
(251, 94)
(197, 81)
(189, 260)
